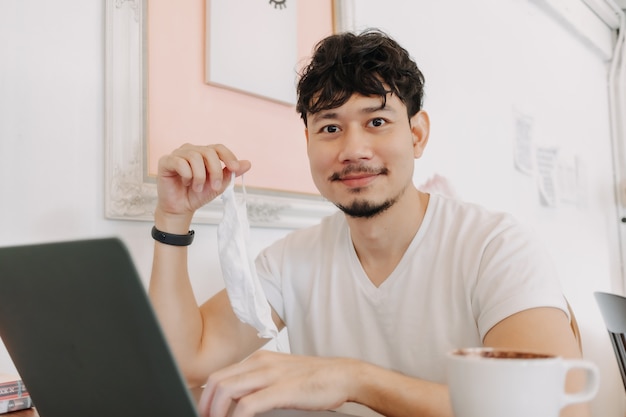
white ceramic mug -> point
(485, 382)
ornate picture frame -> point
(130, 193)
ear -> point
(420, 129)
(306, 135)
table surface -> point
(32, 412)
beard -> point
(364, 209)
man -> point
(375, 295)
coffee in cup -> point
(487, 382)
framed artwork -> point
(255, 60)
(147, 117)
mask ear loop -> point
(276, 340)
(231, 185)
(243, 188)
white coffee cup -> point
(486, 382)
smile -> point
(358, 181)
(358, 177)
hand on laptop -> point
(269, 380)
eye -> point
(330, 129)
(377, 122)
(279, 4)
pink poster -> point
(183, 108)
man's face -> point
(361, 155)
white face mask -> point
(242, 283)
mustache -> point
(357, 169)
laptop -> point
(79, 327)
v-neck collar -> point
(376, 292)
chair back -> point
(613, 309)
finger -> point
(205, 163)
(213, 166)
(230, 160)
(275, 396)
(205, 401)
(244, 166)
(207, 398)
(217, 163)
(235, 381)
(258, 402)
(227, 157)
(187, 162)
(198, 170)
(234, 388)
(172, 165)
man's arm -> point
(209, 337)
(545, 330)
(269, 380)
(202, 339)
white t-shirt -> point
(465, 270)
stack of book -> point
(13, 394)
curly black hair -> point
(370, 63)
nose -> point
(355, 145)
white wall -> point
(51, 135)
(486, 63)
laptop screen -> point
(78, 325)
